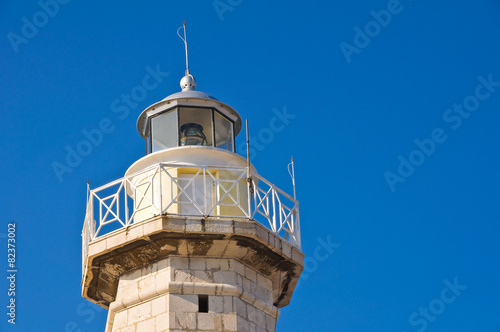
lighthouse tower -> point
(192, 238)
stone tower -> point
(192, 238)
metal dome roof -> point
(190, 94)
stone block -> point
(159, 305)
(262, 233)
(216, 304)
(241, 307)
(147, 325)
(162, 322)
(247, 284)
(260, 318)
(183, 276)
(152, 226)
(287, 250)
(237, 266)
(120, 320)
(271, 240)
(264, 281)
(132, 275)
(225, 277)
(146, 287)
(122, 282)
(197, 263)
(252, 313)
(171, 321)
(186, 321)
(206, 321)
(251, 274)
(139, 313)
(163, 264)
(116, 240)
(260, 292)
(177, 262)
(219, 226)
(154, 267)
(213, 264)
(146, 271)
(183, 303)
(194, 226)
(245, 228)
(134, 232)
(202, 277)
(218, 323)
(174, 224)
(163, 277)
(270, 323)
(243, 325)
(228, 303)
(130, 290)
(225, 264)
(239, 281)
(229, 321)
(97, 247)
(298, 256)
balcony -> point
(172, 189)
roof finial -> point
(187, 82)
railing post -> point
(205, 191)
(92, 220)
(273, 192)
(297, 229)
(160, 169)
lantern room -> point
(187, 118)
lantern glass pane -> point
(164, 131)
(223, 132)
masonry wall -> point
(164, 296)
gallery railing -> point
(187, 190)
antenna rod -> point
(185, 45)
(292, 175)
(248, 149)
(249, 175)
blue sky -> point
(392, 111)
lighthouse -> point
(192, 238)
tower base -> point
(191, 274)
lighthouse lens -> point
(195, 126)
(192, 134)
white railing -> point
(187, 190)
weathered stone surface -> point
(146, 303)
